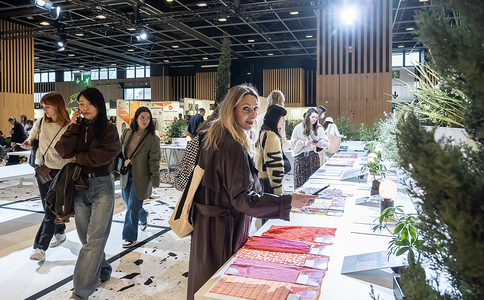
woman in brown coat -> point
(230, 193)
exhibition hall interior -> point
(241, 149)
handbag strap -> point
(137, 146)
(43, 154)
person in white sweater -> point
(307, 139)
(48, 131)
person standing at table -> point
(307, 139)
(94, 204)
(142, 147)
(195, 121)
(17, 131)
(269, 158)
(230, 194)
(48, 131)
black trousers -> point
(47, 228)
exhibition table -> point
(354, 236)
(173, 154)
(19, 171)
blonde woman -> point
(230, 193)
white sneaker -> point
(58, 239)
(38, 254)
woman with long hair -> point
(142, 147)
(48, 130)
(230, 194)
(307, 139)
(269, 158)
(92, 142)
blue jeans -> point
(134, 211)
(94, 214)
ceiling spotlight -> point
(142, 35)
(71, 54)
(251, 41)
(410, 28)
(81, 66)
(131, 28)
(36, 57)
(61, 43)
(222, 19)
(294, 13)
(309, 36)
(113, 64)
(201, 4)
(270, 54)
(175, 46)
(204, 58)
(400, 46)
(44, 23)
(169, 0)
(101, 17)
(54, 11)
(166, 61)
(130, 49)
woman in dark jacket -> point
(142, 147)
(230, 193)
(93, 204)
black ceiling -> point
(257, 29)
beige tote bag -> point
(180, 220)
(334, 142)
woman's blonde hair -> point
(226, 119)
(56, 99)
(275, 97)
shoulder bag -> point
(121, 165)
(181, 220)
(35, 146)
(334, 142)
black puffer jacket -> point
(60, 198)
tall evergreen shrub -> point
(223, 72)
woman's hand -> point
(26, 144)
(309, 143)
(299, 200)
(75, 116)
(73, 159)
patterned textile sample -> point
(298, 233)
(277, 245)
(256, 289)
(296, 259)
(274, 271)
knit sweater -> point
(269, 161)
(48, 131)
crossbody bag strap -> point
(43, 155)
(137, 146)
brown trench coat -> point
(227, 199)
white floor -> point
(157, 268)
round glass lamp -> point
(388, 191)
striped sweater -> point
(268, 160)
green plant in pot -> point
(176, 129)
(375, 167)
(405, 235)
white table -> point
(173, 154)
(20, 153)
(352, 238)
(19, 171)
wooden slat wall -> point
(354, 61)
(161, 88)
(183, 87)
(16, 76)
(291, 82)
(205, 85)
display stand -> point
(336, 285)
